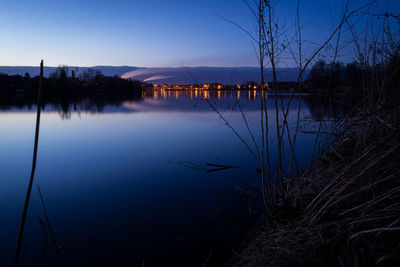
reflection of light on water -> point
(161, 93)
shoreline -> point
(344, 210)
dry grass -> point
(343, 212)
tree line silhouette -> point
(351, 79)
(65, 91)
(67, 82)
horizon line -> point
(147, 67)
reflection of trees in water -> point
(323, 107)
(65, 104)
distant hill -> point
(180, 75)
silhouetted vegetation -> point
(354, 79)
(89, 83)
(326, 76)
(342, 209)
(91, 92)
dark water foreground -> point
(129, 181)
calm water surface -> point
(127, 183)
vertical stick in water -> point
(28, 193)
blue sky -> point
(150, 33)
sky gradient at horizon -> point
(148, 33)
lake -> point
(133, 183)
